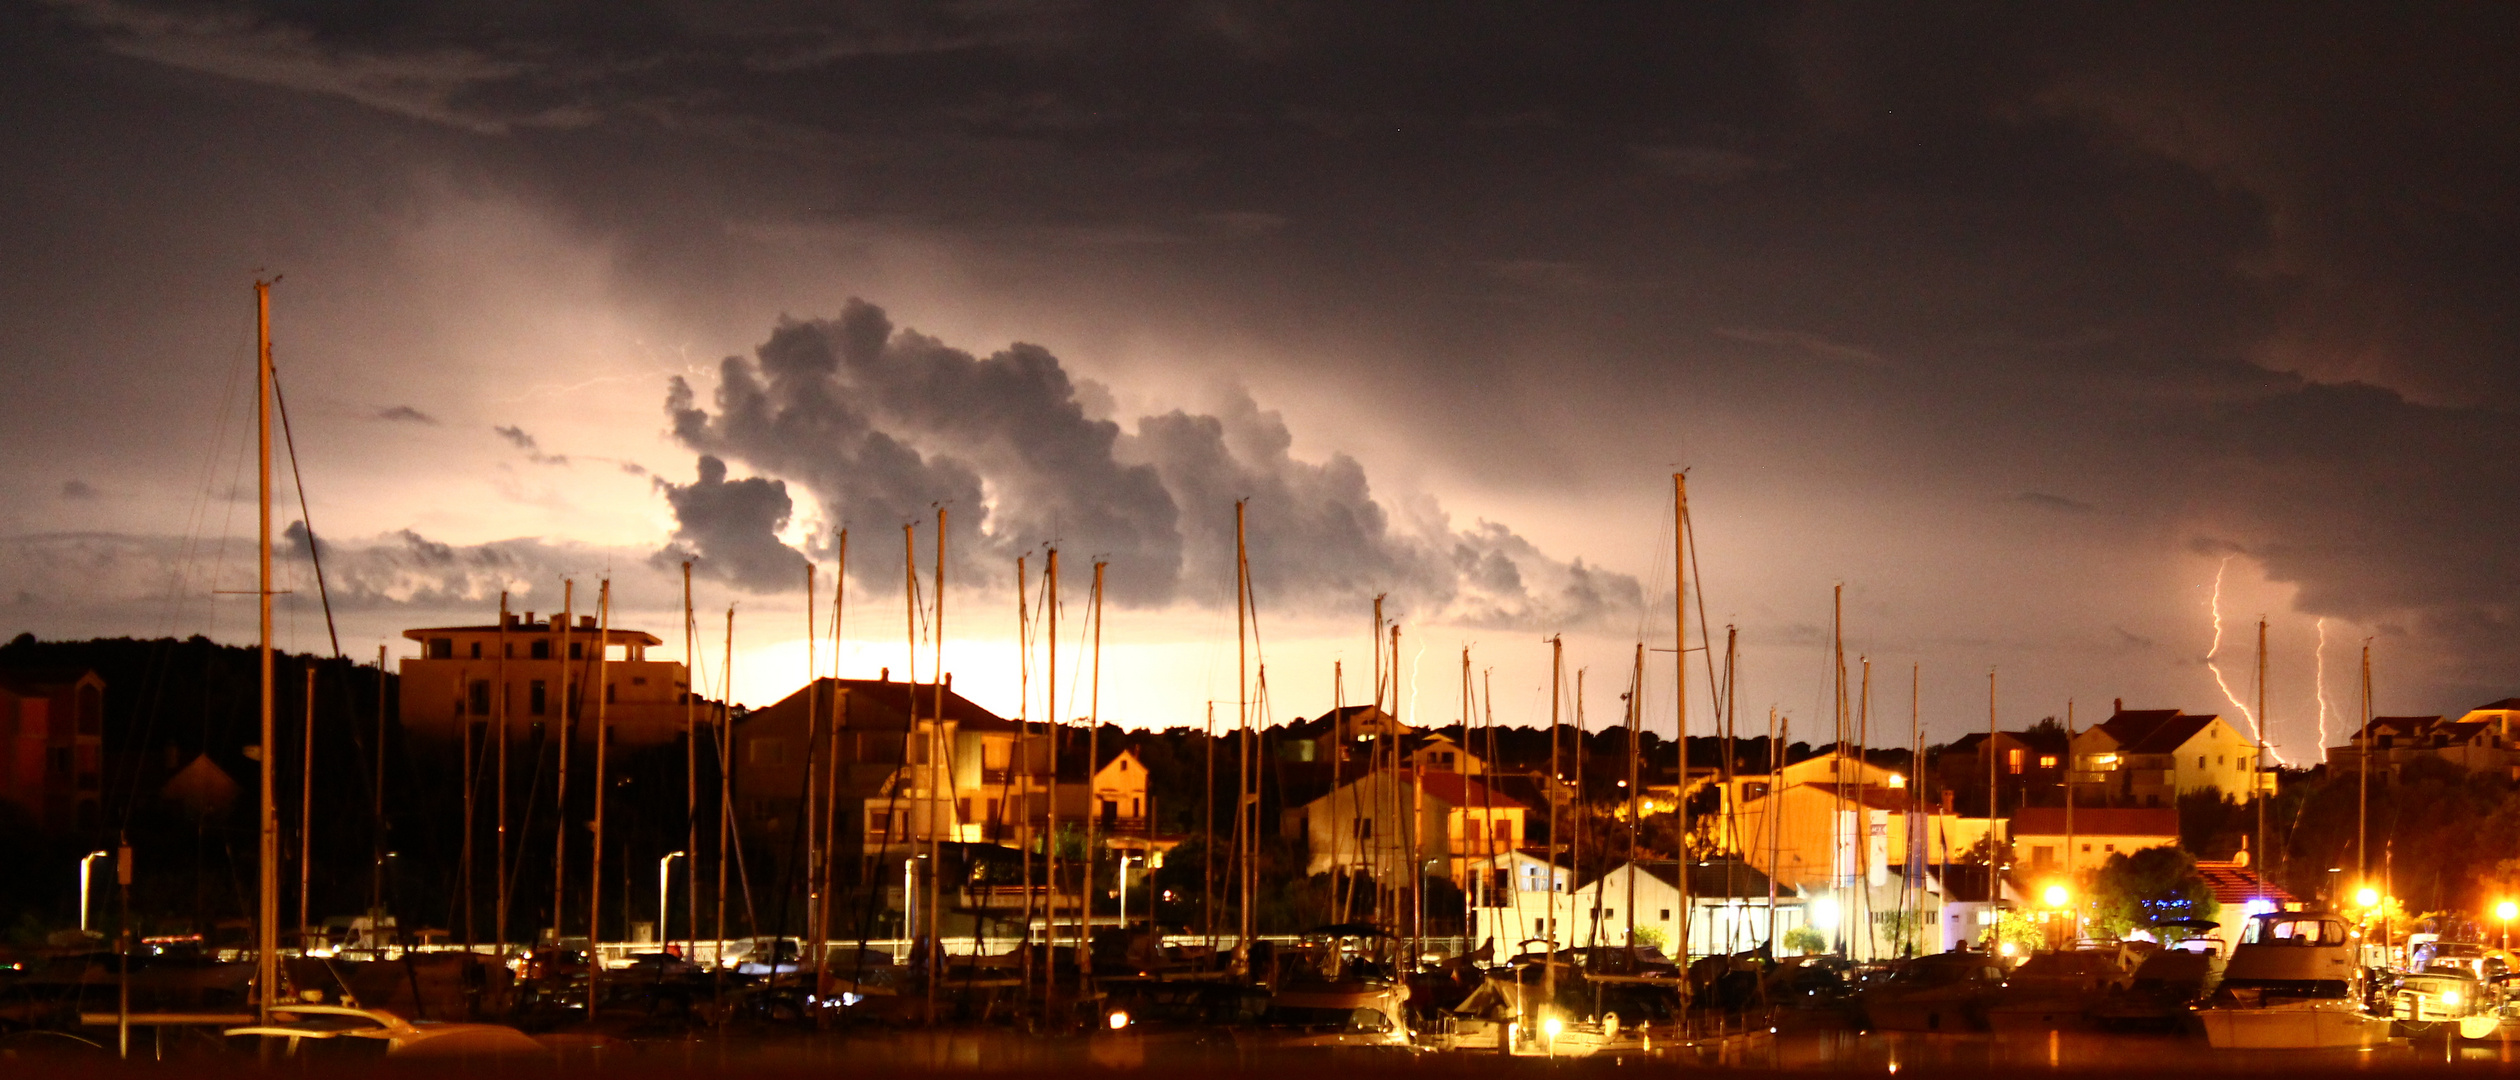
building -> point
(1451, 820)
(52, 748)
(2151, 757)
(464, 674)
(1726, 909)
(2478, 742)
(1516, 899)
(969, 777)
(1437, 752)
(2046, 843)
(2242, 893)
(1345, 734)
(1821, 838)
(2029, 765)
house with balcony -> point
(1379, 822)
(2151, 757)
(2480, 741)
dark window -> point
(481, 697)
(538, 699)
(612, 693)
(1364, 828)
(476, 650)
(441, 648)
(59, 760)
(577, 650)
(541, 650)
(1666, 914)
(1110, 812)
(91, 711)
(508, 650)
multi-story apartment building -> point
(52, 747)
(536, 669)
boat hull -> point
(2283, 1028)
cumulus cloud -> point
(881, 425)
(730, 528)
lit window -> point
(2012, 760)
(2047, 761)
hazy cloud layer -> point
(883, 425)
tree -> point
(2141, 890)
(1806, 941)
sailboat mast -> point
(595, 861)
(1093, 808)
(1773, 818)
(498, 844)
(2257, 762)
(1680, 695)
(1636, 822)
(1059, 731)
(1557, 696)
(267, 916)
(560, 824)
(306, 820)
(1992, 889)
(725, 742)
(942, 790)
(1242, 760)
(691, 774)
(1023, 744)
(2362, 778)
(810, 812)
(827, 871)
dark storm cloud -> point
(2381, 510)
(2239, 273)
(730, 529)
(77, 489)
(883, 424)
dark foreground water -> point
(909, 1052)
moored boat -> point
(2292, 984)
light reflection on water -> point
(1886, 1053)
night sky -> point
(2026, 323)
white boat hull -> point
(2286, 1027)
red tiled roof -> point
(2234, 884)
(1463, 791)
(2098, 821)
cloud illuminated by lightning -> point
(2215, 652)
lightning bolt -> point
(2216, 651)
(2322, 686)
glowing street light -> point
(2056, 896)
(85, 862)
(2367, 897)
(664, 894)
(2506, 911)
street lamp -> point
(664, 904)
(2506, 911)
(2056, 897)
(2367, 897)
(85, 863)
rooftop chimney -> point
(586, 622)
(884, 676)
(529, 618)
(2121, 704)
